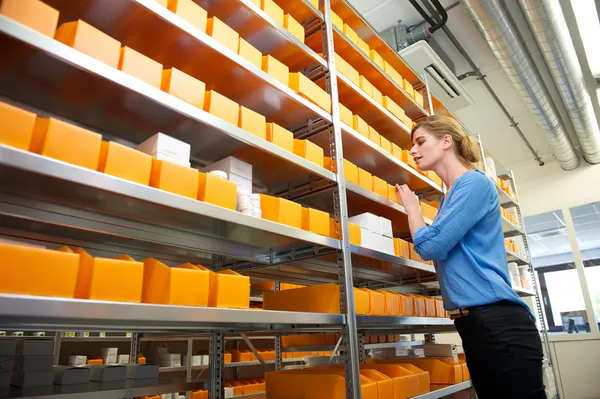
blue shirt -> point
(467, 244)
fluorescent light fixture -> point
(589, 30)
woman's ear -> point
(447, 142)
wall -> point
(577, 364)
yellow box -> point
(273, 10)
(408, 159)
(280, 136)
(376, 302)
(441, 371)
(91, 41)
(32, 13)
(419, 99)
(363, 46)
(309, 151)
(350, 171)
(361, 126)
(294, 27)
(391, 303)
(366, 86)
(401, 248)
(281, 210)
(377, 58)
(141, 67)
(322, 298)
(428, 211)
(394, 108)
(166, 285)
(377, 96)
(337, 21)
(250, 53)
(396, 151)
(221, 106)
(189, 11)
(374, 136)
(36, 271)
(347, 70)
(183, 86)
(310, 90)
(124, 162)
(276, 68)
(385, 144)
(408, 88)
(392, 73)
(17, 126)
(174, 178)
(66, 142)
(392, 194)
(346, 115)
(350, 34)
(221, 32)
(227, 289)
(380, 187)
(105, 279)
(365, 179)
(315, 221)
(217, 191)
(253, 122)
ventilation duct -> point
(499, 31)
(548, 24)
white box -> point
(243, 185)
(77, 360)
(196, 360)
(231, 165)
(167, 145)
(369, 240)
(513, 268)
(386, 245)
(204, 361)
(165, 157)
(367, 221)
(109, 355)
(441, 350)
(228, 392)
(123, 359)
(386, 227)
(170, 359)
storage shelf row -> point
(176, 369)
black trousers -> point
(503, 351)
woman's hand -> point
(408, 199)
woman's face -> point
(427, 149)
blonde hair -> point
(465, 146)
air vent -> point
(549, 234)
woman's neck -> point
(450, 171)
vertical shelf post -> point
(216, 351)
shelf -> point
(444, 392)
(228, 365)
(405, 325)
(301, 10)
(522, 292)
(360, 61)
(47, 196)
(133, 110)
(509, 228)
(505, 200)
(515, 257)
(328, 348)
(40, 313)
(365, 154)
(400, 344)
(104, 390)
(260, 30)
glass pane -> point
(552, 258)
(586, 219)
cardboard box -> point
(386, 245)
(232, 165)
(67, 375)
(91, 41)
(370, 239)
(386, 227)
(17, 124)
(102, 373)
(162, 143)
(368, 221)
(30, 379)
(77, 360)
(33, 363)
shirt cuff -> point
(424, 233)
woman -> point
(501, 343)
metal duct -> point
(548, 24)
(500, 32)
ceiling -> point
(483, 117)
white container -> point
(232, 165)
(370, 240)
(196, 360)
(77, 360)
(243, 185)
(170, 360)
(386, 245)
(367, 221)
(165, 157)
(166, 145)
(441, 350)
(123, 359)
(219, 173)
(110, 355)
(228, 392)
(204, 360)
(513, 268)
(386, 227)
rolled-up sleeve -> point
(468, 202)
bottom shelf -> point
(442, 391)
(104, 390)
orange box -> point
(419, 303)
(250, 53)
(217, 191)
(366, 86)
(221, 32)
(105, 279)
(428, 211)
(91, 41)
(273, 10)
(221, 106)
(413, 254)
(17, 126)
(323, 298)
(441, 371)
(280, 136)
(377, 58)
(424, 383)
(380, 187)
(35, 271)
(350, 34)
(294, 27)
(189, 11)
(396, 77)
(419, 99)
(360, 126)
(166, 285)
(309, 151)
(346, 115)
(281, 210)
(183, 86)
(276, 68)
(430, 310)
(406, 305)
(408, 159)
(124, 162)
(385, 144)
(65, 142)
(391, 304)
(252, 122)
(365, 179)
(227, 357)
(174, 178)
(163, 3)
(408, 87)
(227, 289)
(394, 108)
(310, 90)
(396, 151)
(32, 13)
(401, 248)
(374, 136)
(385, 385)
(376, 302)
(95, 361)
(350, 171)
(347, 70)
(315, 221)
(337, 21)
(377, 96)
(392, 194)
(363, 46)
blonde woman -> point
(501, 343)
